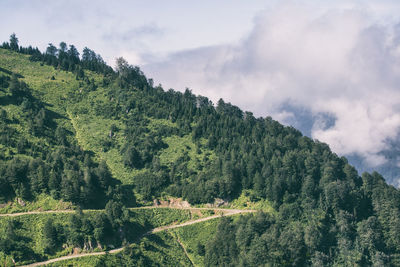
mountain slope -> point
(76, 130)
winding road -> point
(224, 212)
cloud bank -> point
(340, 65)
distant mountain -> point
(304, 120)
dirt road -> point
(225, 212)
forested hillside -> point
(76, 132)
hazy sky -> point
(331, 69)
(136, 29)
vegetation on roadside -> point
(37, 237)
(195, 238)
(42, 202)
(160, 249)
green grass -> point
(179, 146)
(38, 77)
(31, 226)
(15, 114)
(160, 249)
(156, 124)
(166, 216)
(247, 201)
(89, 129)
(42, 203)
(78, 115)
(192, 235)
(163, 250)
(84, 261)
(160, 217)
(55, 93)
(92, 131)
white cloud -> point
(340, 61)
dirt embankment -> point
(171, 203)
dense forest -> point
(326, 214)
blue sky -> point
(331, 69)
